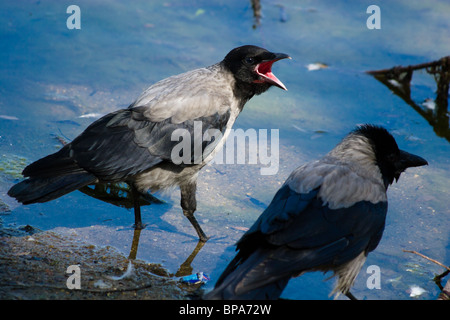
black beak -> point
(408, 160)
(277, 56)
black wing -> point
(303, 221)
(124, 143)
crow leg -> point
(138, 225)
(189, 205)
(350, 296)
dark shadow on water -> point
(118, 194)
(398, 80)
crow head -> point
(390, 159)
(252, 67)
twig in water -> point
(425, 257)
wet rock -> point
(38, 270)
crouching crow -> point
(328, 216)
(136, 144)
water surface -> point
(51, 76)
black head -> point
(390, 159)
(252, 67)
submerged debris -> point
(196, 278)
(429, 104)
(91, 115)
(102, 284)
(316, 66)
(2, 116)
(4, 207)
(416, 291)
(127, 273)
(12, 165)
(283, 15)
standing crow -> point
(135, 144)
(328, 216)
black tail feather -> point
(43, 189)
(241, 280)
(51, 177)
(227, 291)
(56, 164)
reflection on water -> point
(135, 244)
(123, 195)
(184, 269)
(256, 6)
(119, 194)
(435, 111)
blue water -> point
(50, 76)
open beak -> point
(264, 70)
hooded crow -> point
(328, 216)
(135, 145)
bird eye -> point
(249, 60)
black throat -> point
(245, 91)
